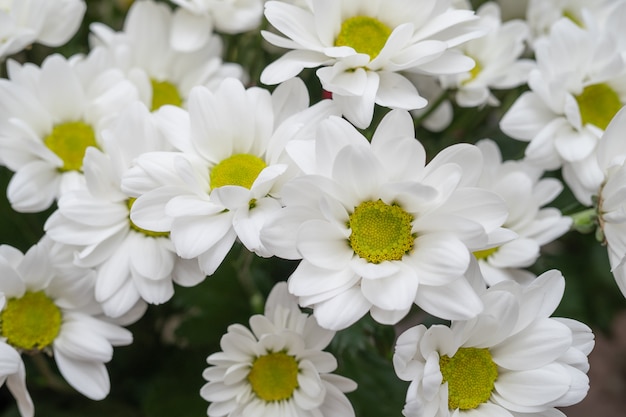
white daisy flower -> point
(161, 74)
(513, 359)
(525, 193)
(277, 368)
(49, 308)
(132, 263)
(497, 57)
(378, 230)
(195, 20)
(49, 116)
(223, 180)
(578, 87)
(24, 22)
(363, 46)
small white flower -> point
(195, 20)
(49, 116)
(277, 369)
(161, 74)
(223, 180)
(132, 264)
(497, 57)
(541, 15)
(379, 230)
(362, 47)
(49, 307)
(525, 194)
(512, 359)
(578, 86)
(23, 22)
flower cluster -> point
(348, 162)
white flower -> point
(541, 15)
(579, 85)
(363, 46)
(611, 204)
(13, 373)
(513, 359)
(195, 20)
(132, 264)
(223, 180)
(49, 116)
(497, 57)
(525, 194)
(161, 74)
(378, 230)
(49, 307)
(277, 369)
(23, 22)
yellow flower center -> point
(380, 232)
(484, 254)
(240, 169)
(70, 141)
(129, 204)
(573, 17)
(474, 71)
(470, 375)
(274, 376)
(598, 103)
(364, 34)
(164, 92)
(31, 322)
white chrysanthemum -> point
(511, 360)
(195, 20)
(378, 230)
(223, 180)
(497, 57)
(132, 264)
(23, 22)
(610, 202)
(579, 85)
(363, 46)
(525, 193)
(49, 116)
(541, 15)
(49, 307)
(277, 369)
(161, 74)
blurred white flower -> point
(195, 20)
(525, 193)
(24, 22)
(497, 56)
(379, 230)
(162, 75)
(513, 359)
(278, 368)
(578, 86)
(49, 116)
(49, 307)
(362, 47)
(541, 15)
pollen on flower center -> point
(164, 92)
(473, 73)
(380, 232)
(598, 103)
(470, 375)
(70, 141)
(364, 34)
(133, 226)
(240, 169)
(31, 322)
(274, 376)
(484, 254)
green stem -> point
(585, 221)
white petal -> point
(89, 378)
